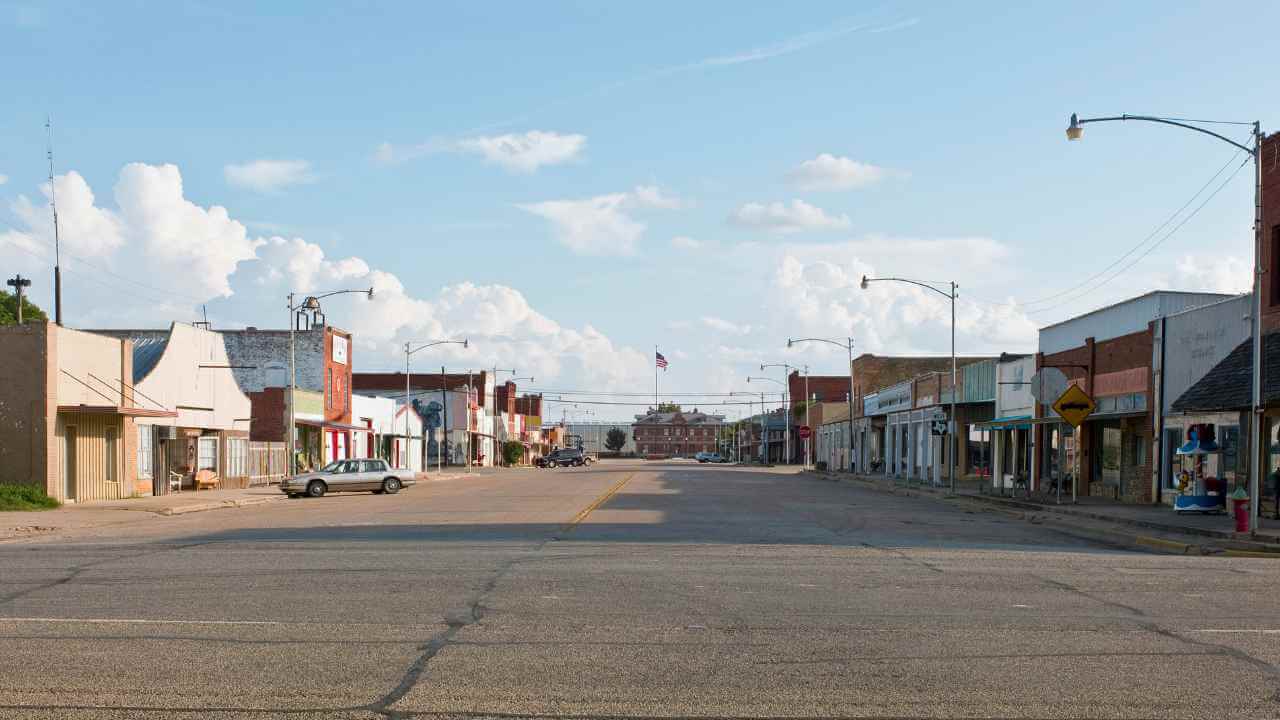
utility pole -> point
(57, 245)
(18, 283)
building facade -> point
(677, 434)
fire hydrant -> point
(1240, 509)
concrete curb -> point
(219, 505)
(1112, 531)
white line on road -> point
(137, 621)
(1242, 631)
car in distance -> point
(564, 457)
(709, 457)
(348, 475)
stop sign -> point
(805, 432)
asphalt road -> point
(629, 590)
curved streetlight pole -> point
(953, 428)
(1076, 132)
(312, 303)
(848, 345)
(410, 349)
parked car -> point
(564, 457)
(708, 457)
(349, 475)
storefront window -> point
(1109, 458)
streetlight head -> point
(1074, 131)
(466, 342)
(790, 342)
(864, 282)
(370, 293)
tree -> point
(9, 310)
(615, 439)
(668, 407)
(512, 452)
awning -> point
(116, 410)
(332, 425)
(1013, 422)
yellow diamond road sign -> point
(1074, 405)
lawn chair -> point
(175, 481)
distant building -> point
(676, 434)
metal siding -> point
(1198, 340)
(1128, 317)
(91, 457)
(979, 382)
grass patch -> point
(25, 497)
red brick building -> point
(676, 434)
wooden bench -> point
(207, 479)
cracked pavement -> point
(626, 590)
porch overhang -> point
(117, 410)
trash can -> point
(1240, 509)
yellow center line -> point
(582, 514)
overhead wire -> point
(1149, 250)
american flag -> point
(662, 362)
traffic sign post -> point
(805, 432)
(1074, 405)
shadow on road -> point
(689, 504)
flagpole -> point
(655, 378)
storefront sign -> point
(339, 349)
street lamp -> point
(786, 415)
(310, 304)
(1075, 132)
(848, 345)
(410, 349)
(952, 444)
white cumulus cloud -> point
(602, 225)
(269, 175)
(525, 152)
(831, 172)
(157, 257)
(787, 218)
(684, 242)
(3, 178)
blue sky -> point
(933, 135)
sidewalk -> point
(1189, 531)
(75, 516)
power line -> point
(1151, 249)
(612, 393)
(1141, 242)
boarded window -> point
(110, 438)
(237, 456)
(145, 450)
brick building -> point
(323, 358)
(1107, 352)
(676, 434)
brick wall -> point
(337, 396)
(1126, 352)
(873, 372)
(28, 405)
(1269, 252)
(828, 388)
(268, 411)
